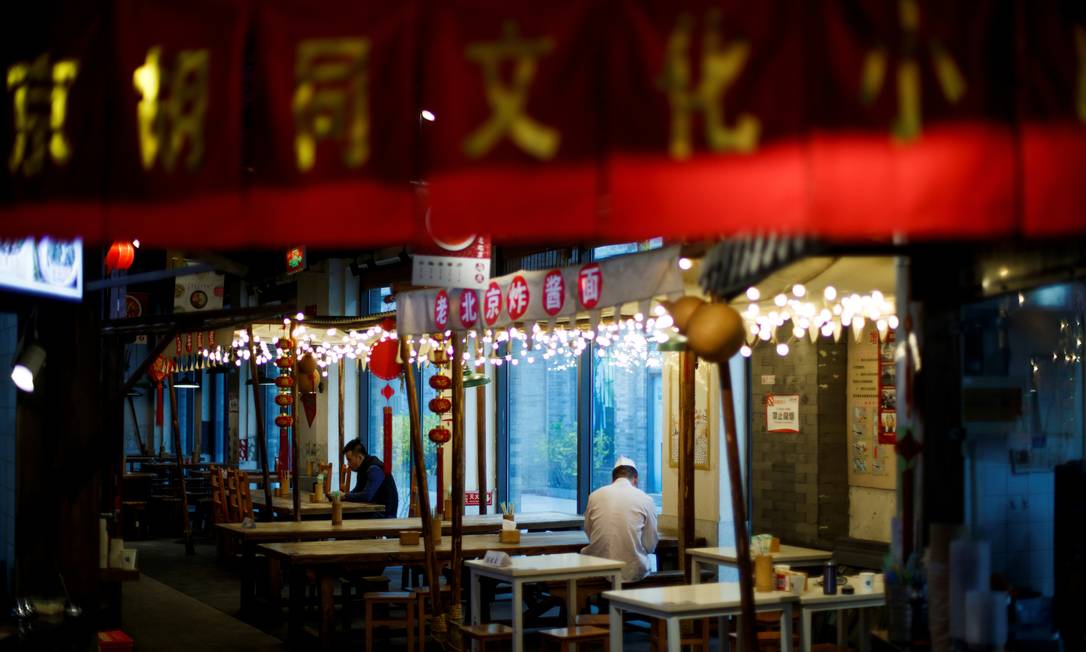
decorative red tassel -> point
(388, 439)
(158, 404)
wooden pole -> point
(186, 526)
(261, 434)
(418, 466)
(342, 423)
(457, 474)
(687, 365)
(295, 452)
(136, 424)
(739, 513)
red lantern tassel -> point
(284, 450)
(440, 507)
(388, 439)
(158, 404)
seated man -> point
(620, 522)
(373, 486)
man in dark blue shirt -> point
(373, 486)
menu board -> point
(871, 402)
(42, 266)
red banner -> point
(590, 121)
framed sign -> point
(782, 413)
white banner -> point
(543, 295)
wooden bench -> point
(566, 636)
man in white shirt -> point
(620, 522)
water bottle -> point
(829, 578)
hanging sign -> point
(471, 498)
(546, 294)
(295, 259)
(492, 303)
(782, 413)
(463, 264)
(197, 292)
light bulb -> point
(427, 115)
(685, 263)
(745, 351)
(830, 293)
(798, 290)
(782, 349)
(892, 321)
(753, 294)
(780, 300)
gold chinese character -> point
(330, 99)
(721, 65)
(507, 100)
(1080, 50)
(908, 123)
(40, 97)
(172, 107)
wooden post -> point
(342, 423)
(418, 466)
(480, 444)
(136, 424)
(457, 371)
(295, 453)
(739, 513)
(687, 365)
(261, 434)
(186, 526)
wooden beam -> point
(457, 371)
(295, 452)
(418, 466)
(480, 444)
(342, 427)
(141, 370)
(261, 433)
(186, 525)
(687, 365)
(192, 321)
(739, 512)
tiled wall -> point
(8, 343)
(1014, 514)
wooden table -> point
(794, 555)
(327, 559)
(814, 600)
(676, 603)
(283, 507)
(541, 568)
(369, 528)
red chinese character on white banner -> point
(554, 292)
(518, 297)
(469, 308)
(441, 310)
(589, 285)
(492, 303)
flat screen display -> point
(43, 266)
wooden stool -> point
(424, 607)
(484, 634)
(698, 639)
(353, 588)
(390, 598)
(565, 636)
(593, 620)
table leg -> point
(296, 608)
(722, 633)
(475, 598)
(275, 582)
(248, 576)
(518, 616)
(674, 635)
(786, 627)
(326, 589)
(615, 625)
(571, 607)
(695, 570)
(842, 634)
(865, 636)
(805, 630)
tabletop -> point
(392, 551)
(540, 565)
(815, 597)
(377, 527)
(286, 504)
(695, 597)
(786, 555)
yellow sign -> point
(172, 107)
(40, 96)
(330, 99)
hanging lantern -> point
(120, 256)
(284, 400)
(284, 421)
(285, 362)
(284, 382)
(440, 405)
(440, 435)
(440, 383)
(284, 343)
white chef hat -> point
(622, 460)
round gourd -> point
(682, 309)
(715, 332)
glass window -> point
(543, 436)
(626, 408)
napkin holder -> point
(509, 532)
(409, 538)
(497, 558)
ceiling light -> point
(427, 115)
(685, 263)
(186, 380)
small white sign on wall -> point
(782, 413)
(769, 379)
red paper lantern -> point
(120, 256)
(283, 400)
(284, 343)
(440, 435)
(383, 360)
(284, 421)
(440, 383)
(286, 362)
(284, 382)
(440, 405)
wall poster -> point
(871, 404)
(782, 413)
(704, 413)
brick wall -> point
(799, 481)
